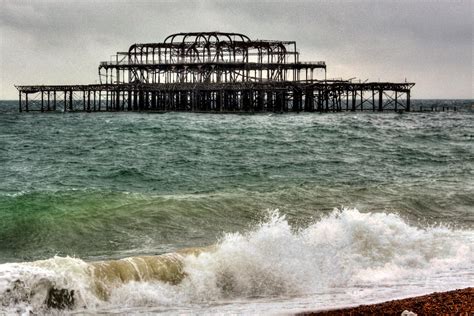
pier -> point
(215, 72)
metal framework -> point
(215, 72)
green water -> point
(110, 185)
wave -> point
(345, 249)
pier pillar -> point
(260, 100)
(117, 100)
(100, 100)
(140, 100)
(65, 101)
(270, 104)
(297, 100)
(353, 101)
(129, 101)
(88, 101)
(309, 100)
(147, 100)
(48, 104)
(347, 100)
(194, 101)
(408, 101)
(246, 100)
(19, 101)
(26, 102)
(153, 100)
(320, 102)
(218, 101)
(339, 101)
(373, 100)
(42, 101)
(54, 101)
(135, 100)
(279, 102)
(380, 100)
(326, 100)
(70, 101)
(396, 100)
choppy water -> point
(79, 191)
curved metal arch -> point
(171, 38)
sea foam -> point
(361, 255)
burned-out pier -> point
(215, 72)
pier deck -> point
(223, 97)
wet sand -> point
(457, 302)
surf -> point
(346, 249)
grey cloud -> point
(427, 41)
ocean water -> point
(206, 213)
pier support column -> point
(117, 100)
(408, 101)
(135, 100)
(26, 102)
(353, 101)
(70, 101)
(100, 100)
(270, 104)
(347, 100)
(246, 100)
(218, 101)
(396, 100)
(88, 101)
(194, 100)
(373, 100)
(147, 100)
(326, 100)
(297, 100)
(380, 100)
(42, 101)
(260, 100)
(320, 101)
(153, 100)
(140, 100)
(309, 101)
(95, 101)
(19, 102)
(279, 101)
(129, 101)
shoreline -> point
(456, 302)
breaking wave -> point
(345, 249)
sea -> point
(194, 213)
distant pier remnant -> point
(215, 72)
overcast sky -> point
(428, 42)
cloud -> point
(48, 42)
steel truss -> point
(218, 72)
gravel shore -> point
(457, 302)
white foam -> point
(344, 258)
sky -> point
(429, 42)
